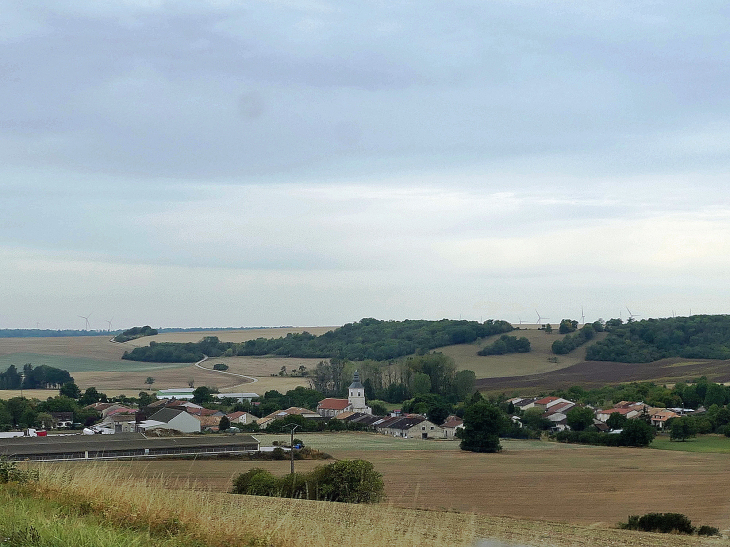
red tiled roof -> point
(333, 404)
(546, 400)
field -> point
(96, 361)
(591, 374)
(702, 444)
(581, 485)
(540, 359)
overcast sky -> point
(312, 163)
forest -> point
(41, 377)
(695, 337)
(366, 339)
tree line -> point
(40, 377)
(367, 339)
(135, 332)
(695, 337)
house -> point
(604, 415)
(209, 423)
(243, 418)
(561, 407)
(170, 418)
(412, 426)
(329, 408)
(120, 422)
(204, 412)
(304, 412)
(524, 404)
(546, 402)
(660, 416)
(559, 421)
(62, 419)
(451, 425)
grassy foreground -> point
(700, 444)
(91, 506)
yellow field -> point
(577, 485)
(515, 364)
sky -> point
(263, 163)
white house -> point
(170, 418)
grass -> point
(149, 509)
(702, 444)
(80, 364)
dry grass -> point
(515, 364)
(221, 519)
(581, 485)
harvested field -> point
(592, 374)
(581, 485)
(240, 335)
(98, 348)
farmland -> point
(580, 485)
(590, 374)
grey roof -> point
(65, 444)
(166, 414)
(405, 422)
(356, 382)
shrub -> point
(665, 523)
(708, 531)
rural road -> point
(205, 358)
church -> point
(355, 402)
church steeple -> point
(356, 395)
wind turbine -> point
(582, 315)
(631, 315)
(110, 323)
(86, 318)
(540, 319)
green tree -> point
(637, 433)
(149, 381)
(715, 395)
(548, 329)
(616, 420)
(532, 418)
(681, 429)
(567, 325)
(69, 389)
(464, 382)
(224, 424)
(91, 396)
(202, 395)
(145, 399)
(420, 383)
(378, 408)
(483, 424)
(579, 418)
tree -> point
(145, 399)
(91, 396)
(483, 423)
(567, 325)
(149, 381)
(580, 418)
(532, 418)
(464, 382)
(224, 424)
(202, 395)
(420, 383)
(616, 420)
(681, 429)
(637, 433)
(549, 328)
(378, 408)
(71, 390)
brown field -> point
(591, 374)
(581, 485)
(94, 347)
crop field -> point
(590, 374)
(582, 485)
(540, 359)
(226, 335)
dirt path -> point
(250, 379)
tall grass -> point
(163, 510)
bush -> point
(349, 481)
(665, 523)
(708, 531)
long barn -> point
(123, 445)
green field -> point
(700, 444)
(80, 364)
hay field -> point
(515, 364)
(579, 485)
(240, 335)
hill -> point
(695, 337)
(367, 339)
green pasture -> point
(700, 444)
(81, 364)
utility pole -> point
(291, 447)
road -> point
(250, 379)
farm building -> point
(176, 393)
(123, 445)
(329, 408)
(451, 425)
(238, 397)
(170, 418)
(242, 418)
(409, 427)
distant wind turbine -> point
(540, 318)
(631, 315)
(582, 315)
(110, 323)
(86, 318)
